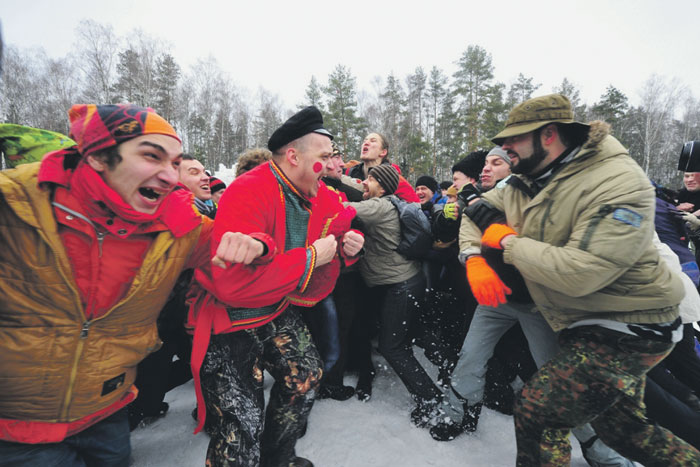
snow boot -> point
(336, 392)
(425, 413)
(364, 386)
(449, 430)
(300, 462)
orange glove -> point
(487, 287)
(494, 234)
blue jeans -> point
(105, 444)
(322, 321)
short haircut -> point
(300, 144)
(570, 135)
(109, 155)
(253, 157)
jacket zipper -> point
(98, 233)
(85, 328)
(74, 370)
(545, 216)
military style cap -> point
(535, 113)
(690, 157)
(308, 120)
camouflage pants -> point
(598, 378)
(232, 383)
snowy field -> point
(377, 433)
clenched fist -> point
(325, 249)
(352, 243)
(237, 247)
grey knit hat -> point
(387, 176)
(497, 151)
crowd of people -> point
(550, 280)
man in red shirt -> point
(293, 231)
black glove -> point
(468, 193)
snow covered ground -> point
(377, 433)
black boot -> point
(446, 431)
(364, 386)
(301, 462)
(425, 413)
(336, 392)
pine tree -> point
(474, 88)
(435, 94)
(313, 95)
(341, 113)
(392, 103)
(126, 88)
(568, 89)
(520, 91)
(167, 75)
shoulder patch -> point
(628, 216)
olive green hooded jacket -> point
(584, 243)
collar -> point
(106, 208)
(555, 166)
(287, 184)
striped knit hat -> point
(387, 176)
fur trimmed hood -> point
(599, 130)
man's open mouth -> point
(150, 193)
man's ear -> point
(97, 163)
(292, 156)
(549, 134)
(383, 153)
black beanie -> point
(427, 181)
(471, 165)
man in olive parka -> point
(579, 227)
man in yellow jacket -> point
(93, 239)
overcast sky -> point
(279, 45)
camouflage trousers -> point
(232, 383)
(598, 378)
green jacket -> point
(381, 264)
(584, 243)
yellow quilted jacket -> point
(55, 366)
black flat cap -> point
(305, 121)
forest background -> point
(431, 118)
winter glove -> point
(467, 193)
(487, 287)
(692, 220)
(494, 234)
(451, 211)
